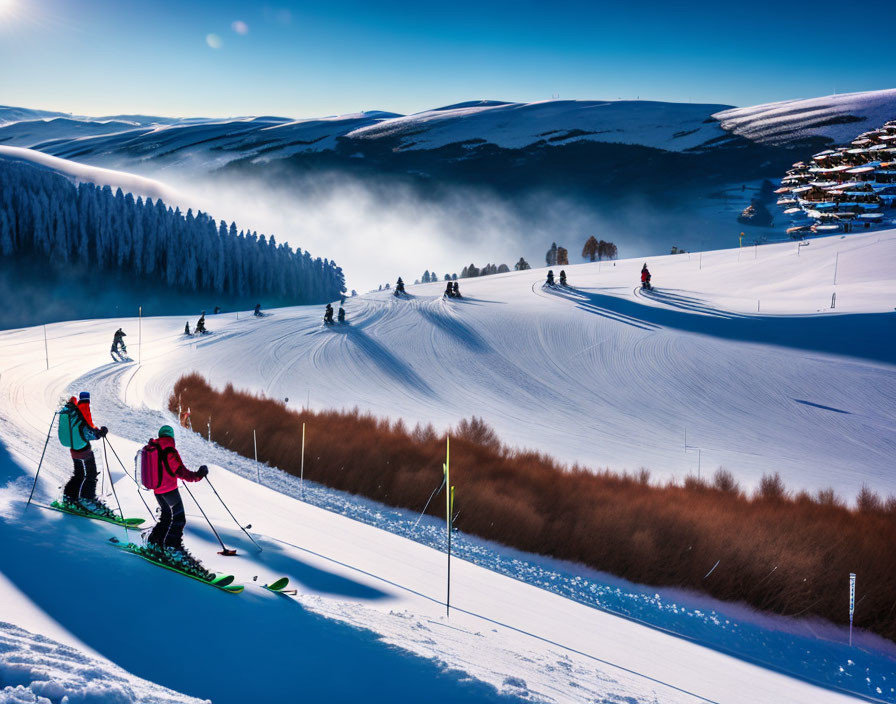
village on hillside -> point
(846, 189)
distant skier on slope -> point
(328, 315)
(187, 329)
(562, 277)
(166, 539)
(119, 351)
(456, 289)
(449, 291)
(258, 312)
(76, 430)
(341, 315)
(645, 277)
(550, 280)
(200, 324)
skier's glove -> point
(203, 471)
(103, 432)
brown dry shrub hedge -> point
(776, 551)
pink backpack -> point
(151, 468)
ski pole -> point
(124, 469)
(224, 549)
(431, 496)
(37, 473)
(260, 549)
(115, 493)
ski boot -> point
(96, 507)
(180, 558)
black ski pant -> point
(82, 485)
(169, 531)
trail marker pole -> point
(701, 261)
(255, 445)
(209, 428)
(852, 602)
(302, 466)
(449, 495)
(834, 299)
(836, 263)
(46, 348)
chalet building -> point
(848, 189)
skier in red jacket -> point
(166, 539)
(80, 491)
(645, 277)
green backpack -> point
(72, 427)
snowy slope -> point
(567, 372)
(839, 118)
(668, 126)
(82, 173)
(34, 668)
(607, 376)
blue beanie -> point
(84, 396)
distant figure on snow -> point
(119, 351)
(550, 281)
(456, 289)
(328, 315)
(258, 310)
(562, 277)
(187, 328)
(399, 287)
(645, 277)
(449, 291)
(341, 315)
(217, 309)
(200, 324)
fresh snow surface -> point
(600, 370)
(35, 669)
(829, 117)
(82, 173)
(669, 126)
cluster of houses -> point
(847, 189)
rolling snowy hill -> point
(600, 372)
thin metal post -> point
(448, 520)
(209, 428)
(139, 334)
(257, 469)
(46, 348)
(836, 263)
(302, 470)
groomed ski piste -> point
(740, 349)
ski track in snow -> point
(538, 365)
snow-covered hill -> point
(675, 127)
(82, 173)
(836, 118)
(600, 372)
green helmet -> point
(166, 431)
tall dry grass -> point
(788, 554)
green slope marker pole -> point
(37, 473)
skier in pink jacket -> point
(166, 539)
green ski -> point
(223, 582)
(279, 586)
(117, 521)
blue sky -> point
(303, 59)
